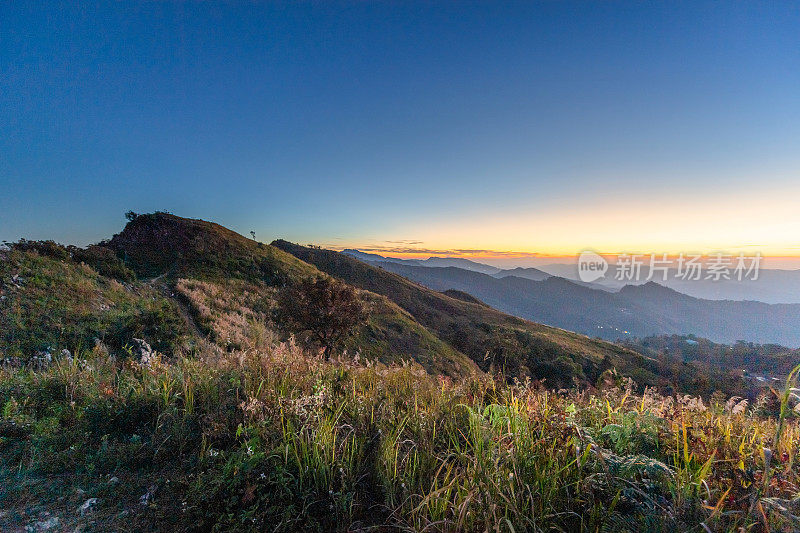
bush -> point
(45, 248)
(105, 261)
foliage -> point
(279, 440)
(50, 304)
(104, 261)
(327, 308)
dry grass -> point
(276, 439)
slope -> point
(640, 311)
(488, 336)
(230, 282)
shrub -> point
(105, 261)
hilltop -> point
(217, 291)
(207, 280)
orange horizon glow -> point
(732, 220)
(504, 254)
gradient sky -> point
(532, 127)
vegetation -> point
(281, 440)
(50, 303)
(517, 347)
(766, 359)
(234, 425)
(329, 309)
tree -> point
(131, 216)
(327, 308)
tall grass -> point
(278, 440)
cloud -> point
(405, 248)
(405, 242)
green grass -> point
(495, 340)
(50, 304)
(279, 440)
(163, 244)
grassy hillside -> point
(202, 280)
(164, 244)
(237, 315)
(281, 441)
(49, 303)
(229, 284)
(519, 347)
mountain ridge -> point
(636, 310)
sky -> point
(484, 129)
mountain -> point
(491, 337)
(459, 262)
(521, 272)
(643, 310)
(463, 296)
(190, 286)
(774, 286)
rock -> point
(42, 359)
(88, 506)
(113, 481)
(43, 525)
(147, 497)
(143, 350)
(66, 354)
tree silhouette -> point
(327, 308)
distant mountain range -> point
(773, 286)
(182, 285)
(459, 262)
(640, 311)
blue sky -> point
(538, 126)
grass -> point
(520, 348)
(278, 440)
(50, 304)
(237, 315)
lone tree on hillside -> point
(327, 308)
